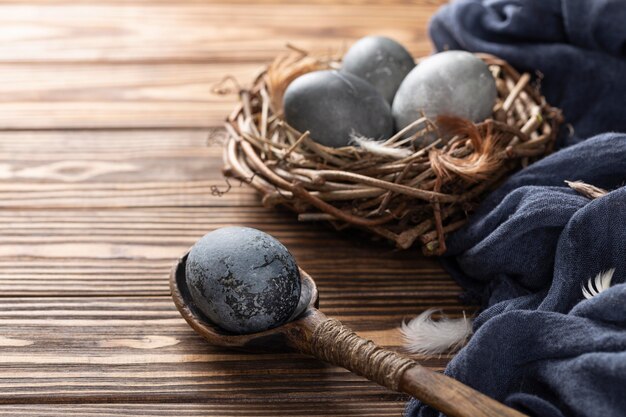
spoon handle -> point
(332, 342)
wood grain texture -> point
(107, 330)
(197, 31)
(106, 178)
(117, 95)
(130, 252)
(140, 350)
(115, 169)
(271, 3)
(320, 408)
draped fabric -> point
(539, 345)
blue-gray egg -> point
(451, 83)
(333, 105)
(242, 279)
(381, 61)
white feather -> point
(379, 148)
(595, 286)
(425, 336)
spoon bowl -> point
(274, 339)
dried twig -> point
(421, 196)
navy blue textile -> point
(539, 346)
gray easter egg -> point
(381, 61)
(452, 83)
(332, 106)
(242, 279)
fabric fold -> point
(539, 345)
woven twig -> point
(419, 195)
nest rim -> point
(422, 196)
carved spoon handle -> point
(332, 342)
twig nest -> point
(394, 187)
(333, 106)
(243, 280)
(380, 61)
(451, 83)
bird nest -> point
(397, 190)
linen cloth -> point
(539, 346)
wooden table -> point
(106, 178)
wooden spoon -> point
(311, 332)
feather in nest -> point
(477, 166)
(379, 148)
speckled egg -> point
(451, 83)
(380, 61)
(333, 105)
(243, 280)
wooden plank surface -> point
(321, 407)
(139, 350)
(130, 252)
(197, 31)
(109, 161)
(78, 256)
(87, 169)
(143, 64)
(117, 95)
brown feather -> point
(476, 166)
(283, 70)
